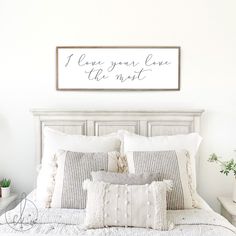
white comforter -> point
(194, 222)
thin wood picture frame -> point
(123, 68)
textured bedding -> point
(194, 222)
(70, 222)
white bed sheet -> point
(194, 222)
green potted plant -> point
(5, 187)
(226, 168)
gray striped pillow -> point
(124, 178)
(72, 169)
(173, 165)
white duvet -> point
(64, 222)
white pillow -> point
(189, 142)
(127, 205)
(55, 140)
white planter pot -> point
(234, 191)
(5, 192)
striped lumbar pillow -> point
(174, 165)
(72, 169)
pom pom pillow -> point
(127, 205)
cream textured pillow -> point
(127, 205)
(72, 169)
(174, 165)
(56, 140)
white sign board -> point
(118, 68)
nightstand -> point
(228, 209)
(4, 202)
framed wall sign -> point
(118, 68)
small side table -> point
(228, 209)
(4, 202)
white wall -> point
(30, 31)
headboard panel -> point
(147, 123)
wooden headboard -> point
(147, 123)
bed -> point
(54, 221)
